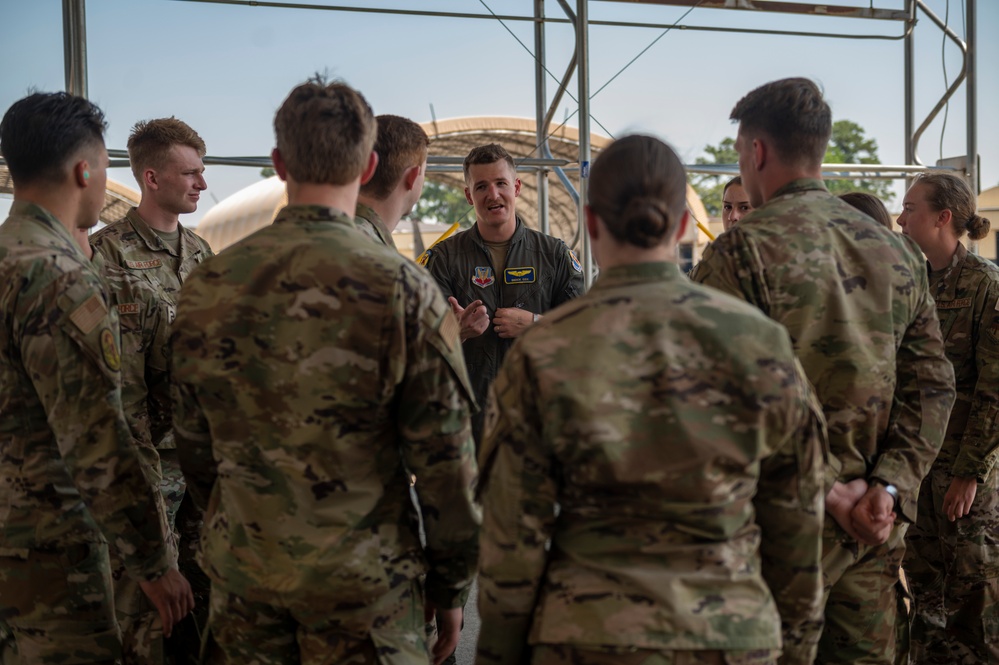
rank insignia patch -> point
(519, 275)
(483, 277)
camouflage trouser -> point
(141, 628)
(184, 645)
(865, 617)
(563, 654)
(389, 631)
(953, 571)
(56, 607)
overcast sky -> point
(225, 69)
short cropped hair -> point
(401, 145)
(487, 154)
(946, 191)
(40, 133)
(638, 187)
(870, 205)
(150, 142)
(791, 113)
(325, 132)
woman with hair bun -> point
(952, 559)
(652, 468)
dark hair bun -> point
(978, 227)
(644, 221)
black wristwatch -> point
(891, 489)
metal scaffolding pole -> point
(540, 95)
(972, 84)
(74, 35)
(910, 86)
(583, 80)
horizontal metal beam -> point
(782, 8)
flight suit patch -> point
(519, 275)
(89, 314)
(575, 261)
(954, 304)
(110, 350)
(483, 277)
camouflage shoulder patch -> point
(109, 349)
(425, 257)
(89, 314)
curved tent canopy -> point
(254, 207)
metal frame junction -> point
(75, 48)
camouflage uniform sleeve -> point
(518, 493)
(790, 506)
(157, 370)
(433, 420)
(924, 396)
(731, 265)
(980, 442)
(74, 361)
(134, 319)
(190, 427)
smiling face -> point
(493, 190)
(735, 205)
(180, 181)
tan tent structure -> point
(254, 207)
(988, 207)
(117, 199)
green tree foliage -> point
(710, 187)
(267, 172)
(444, 203)
(848, 145)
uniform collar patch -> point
(483, 276)
(526, 275)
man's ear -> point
(411, 175)
(81, 173)
(369, 170)
(516, 187)
(468, 198)
(279, 165)
(760, 151)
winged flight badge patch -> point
(519, 275)
(483, 277)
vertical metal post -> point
(583, 79)
(972, 89)
(541, 107)
(909, 97)
(74, 34)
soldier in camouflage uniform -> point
(952, 560)
(676, 432)
(147, 255)
(855, 299)
(398, 181)
(314, 371)
(70, 476)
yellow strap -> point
(709, 234)
(425, 256)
